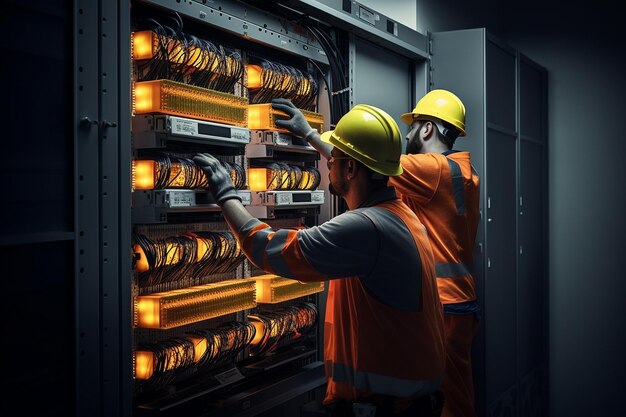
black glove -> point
(220, 183)
(297, 124)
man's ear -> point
(428, 129)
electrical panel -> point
(207, 323)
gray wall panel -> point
(382, 78)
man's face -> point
(414, 143)
(337, 184)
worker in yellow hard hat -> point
(383, 330)
(441, 187)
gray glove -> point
(220, 183)
(297, 124)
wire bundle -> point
(282, 176)
(340, 97)
(162, 362)
(223, 253)
(278, 80)
(189, 256)
(174, 172)
(280, 325)
(224, 343)
(186, 58)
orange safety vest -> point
(373, 344)
(444, 192)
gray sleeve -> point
(345, 246)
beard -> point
(337, 188)
(332, 190)
(414, 147)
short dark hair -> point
(449, 135)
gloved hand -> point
(220, 183)
(297, 124)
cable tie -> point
(336, 93)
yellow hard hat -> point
(371, 136)
(441, 104)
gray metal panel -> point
(86, 90)
(500, 278)
(406, 42)
(109, 211)
(250, 23)
(531, 100)
(124, 302)
(531, 278)
(114, 91)
(381, 78)
(458, 65)
(501, 98)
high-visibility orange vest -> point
(383, 330)
(444, 192)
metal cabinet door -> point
(500, 275)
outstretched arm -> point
(223, 191)
(298, 126)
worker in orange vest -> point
(441, 187)
(383, 332)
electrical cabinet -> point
(505, 97)
(79, 244)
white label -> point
(184, 126)
(231, 375)
(368, 16)
(182, 199)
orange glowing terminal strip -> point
(259, 178)
(274, 289)
(263, 117)
(175, 308)
(178, 99)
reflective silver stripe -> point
(451, 269)
(383, 384)
(457, 186)
(274, 256)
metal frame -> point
(407, 42)
(249, 23)
(102, 154)
(102, 166)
